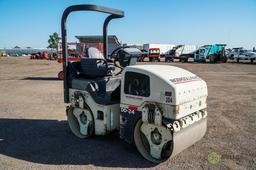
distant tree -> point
(53, 41)
(254, 50)
(16, 47)
(28, 47)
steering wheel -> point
(115, 55)
(101, 62)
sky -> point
(30, 22)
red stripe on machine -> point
(133, 108)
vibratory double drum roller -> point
(159, 108)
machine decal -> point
(168, 93)
(185, 79)
(168, 99)
(128, 110)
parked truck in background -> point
(179, 50)
(154, 54)
(215, 53)
(164, 48)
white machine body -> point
(168, 103)
(179, 91)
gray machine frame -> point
(114, 13)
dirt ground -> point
(34, 133)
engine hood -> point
(181, 85)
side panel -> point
(111, 113)
(128, 120)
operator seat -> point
(92, 74)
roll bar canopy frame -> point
(114, 13)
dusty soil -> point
(34, 133)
